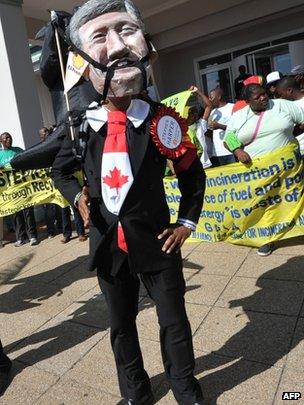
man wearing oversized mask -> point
(127, 143)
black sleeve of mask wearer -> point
(41, 155)
(64, 166)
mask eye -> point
(99, 37)
(128, 30)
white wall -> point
(20, 112)
(45, 102)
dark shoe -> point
(65, 239)
(5, 366)
(265, 250)
(82, 238)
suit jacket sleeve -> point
(191, 183)
(65, 164)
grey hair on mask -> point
(94, 8)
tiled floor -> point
(246, 315)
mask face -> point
(115, 37)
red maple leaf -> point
(116, 179)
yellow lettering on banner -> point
(250, 205)
(19, 190)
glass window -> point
(219, 78)
(282, 63)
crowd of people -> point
(268, 113)
(56, 220)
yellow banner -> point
(250, 205)
(19, 190)
(242, 205)
(178, 102)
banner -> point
(250, 205)
(19, 190)
(179, 101)
(246, 205)
(75, 68)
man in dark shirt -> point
(239, 81)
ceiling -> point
(159, 15)
(171, 22)
(38, 9)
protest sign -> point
(178, 102)
(250, 205)
(19, 190)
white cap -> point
(273, 77)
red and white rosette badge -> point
(169, 131)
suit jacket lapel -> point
(95, 147)
(138, 139)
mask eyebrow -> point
(115, 25)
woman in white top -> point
(261, 127)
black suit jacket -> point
(144, 214)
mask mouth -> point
(123, 63)
(118, 64)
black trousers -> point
(49, 218)
(25, 224)
(167, 289)
(64, 224)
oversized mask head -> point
(110, 34)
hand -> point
(62, 19)
(176, 236)
(194, 89)
(214, 125)
(242, 156)
(83, 206)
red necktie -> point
(116, 173)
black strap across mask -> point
(109, 70)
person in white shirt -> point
(219, 119)
(289, 89)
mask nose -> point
(116, 48)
